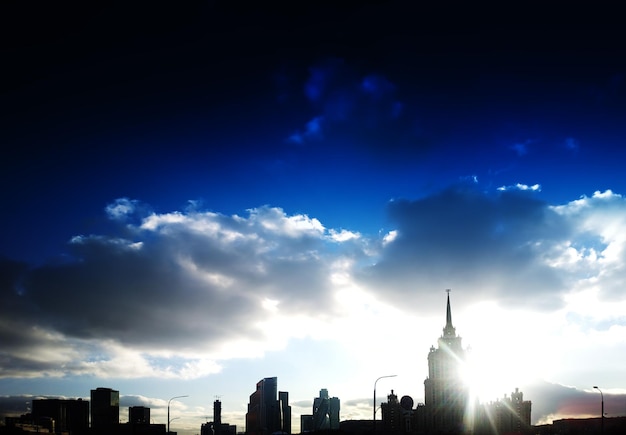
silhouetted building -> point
(25, 423)
(517, 417)
(508, 415)
(391, 414)
(267, 414)
(138, 415)
(399, 417)
(446, 393)
(216, 427)
(217, 416)
(285, 411)
(68, 416)
(325, 413)
(357, 427)
(306, 423)
(105, 409)
(447, 408)
(138, 429)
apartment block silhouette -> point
(105, 409)
(66, 416)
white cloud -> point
(522, 187)
(121, 208)
(390, 237)
(343, 235)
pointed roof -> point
(449, 330)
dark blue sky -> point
(199, 103)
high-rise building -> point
(285, 411)
(447, 408)
(217, 413)
(325, 412)
(105, 408)
(69, 416)
(446, 392)
(267, 414)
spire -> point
(449, 330)
(448, 311)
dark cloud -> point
(481, 245)
(14, 406)
(550, 399)
(359, 108)
(178, 281)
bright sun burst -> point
(494, 364)
(490, 377)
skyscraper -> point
(325, 411)
(267, 414)
(446, 393)
(105, 408)
(285, 411)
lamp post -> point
(168, 411)
(602, 409)
(388, 376)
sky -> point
(198, 197)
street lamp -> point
(388, 376)
(602, 420)
(168, 411)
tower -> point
(446, 393)
(105, 408)
(264, 409)
(285, 411)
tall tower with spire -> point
(446, 393)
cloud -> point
(174, 295)
(182, 284)
(519, 186)
(486, 246)
(312, 131)
(377, 86)
(320, 78)
(120, 208)
(344, 99)
(521, 148)
(552, 401)
(469, 178)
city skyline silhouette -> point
(450, 406)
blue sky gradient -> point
(197, 197)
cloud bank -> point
(176, 294)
